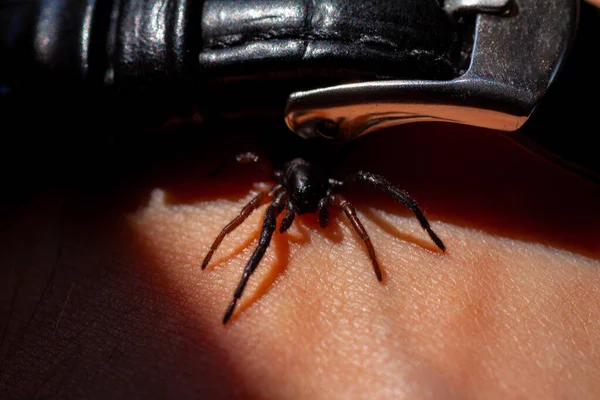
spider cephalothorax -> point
(304, 187)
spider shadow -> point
(281, 247)
(393, 230)
(218, 261)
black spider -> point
(303, 187)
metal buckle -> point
(519, 47)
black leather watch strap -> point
(148, 44)
(410, 38)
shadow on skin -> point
(462, 175)
(281, 247)
(219, 259)
(394, 231)
(107, 320)
(310, 222)
(478, 179)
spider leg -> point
(323, 211)
(256, 202)
(269, 225)
(348, 208)
(288, 219)
(401, 197)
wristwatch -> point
(338, 69)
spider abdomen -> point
(305, 183)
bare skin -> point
(100, 300)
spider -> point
(302, 187)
